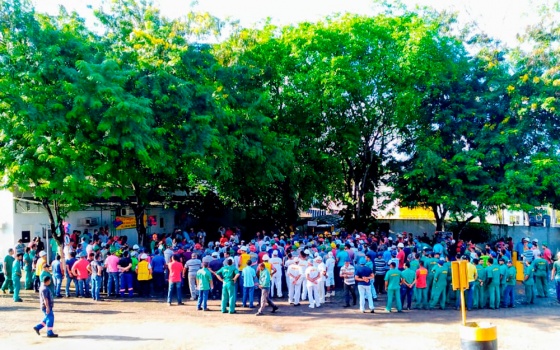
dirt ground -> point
(151, 323)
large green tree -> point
(160, 132)
(42, 150)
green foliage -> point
(473, 231)
(274, 119)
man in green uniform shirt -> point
(408, 280)
(440, 285)
(228, 275)
(16, 277)
(541, 272)
(509, 293)
(529, 282)
(203, 284)
(264, 285)
(432, 265)
(503, 276)
(393, 286)
(493, 271)
(8, 265)
(480, 285)
(28, 266)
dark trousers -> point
(379, 284)
(159, 281)
(406, 295)
(144, 288)
(349, 289)
(36, 283)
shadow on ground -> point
(108, 337)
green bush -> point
(474, 231)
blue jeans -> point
(68, 281)
(248, 295)
(113, 281)
(509, 296)
(406, 295)
(203, 299)
(96, 286)
(174, 286)
(82, 287)
(126, 284)
(558, 289)
(48, 321)
(57, 285)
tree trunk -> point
(439, 213)
(139, 211)
(53, 225)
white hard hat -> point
(275, 252)
(318, 258)
(135, 247)
(400, 245)
(42, 253)
(535, 240)
(265, 257)
(144, 256)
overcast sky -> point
(501, 19)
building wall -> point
(17, 216)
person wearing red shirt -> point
(175, 272)
(421, 287)
(401, 256)
(80, 270)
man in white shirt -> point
(303, 263)
(312, 276)
(295, 279)
(276, 280)
(329, 279)
(322, 276)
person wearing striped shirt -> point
(347, 273)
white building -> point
(25, 219)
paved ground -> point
(130, 324)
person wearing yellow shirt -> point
(472, 276)
(39, 269)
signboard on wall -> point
(127, 222)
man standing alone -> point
(264, 285)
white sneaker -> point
(317, 305)
(332, 294)
(311, 306)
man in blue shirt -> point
(363, 276)
(158, 270)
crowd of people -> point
(412, 271)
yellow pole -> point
(463, 309)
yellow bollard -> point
(479, 336)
